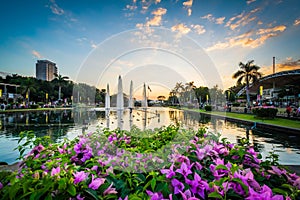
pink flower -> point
(187, 195)
(95, 183)
(55, 171)
(1, 185)
(80, 176)
(110, 190)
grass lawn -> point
(248, 117)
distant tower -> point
(45, 70)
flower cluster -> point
(95, 166)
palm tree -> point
(248, 73)
(60, 80)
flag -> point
(261, 90)
(149, 89)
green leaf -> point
(71, 190)
(221, 167)
(62, 184)
(280, 191)
(153, 184)
(92, 193)
(215, 195)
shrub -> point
(265, 112)
(208, 108)
(236, 104)
(34, 106)
(197, 165)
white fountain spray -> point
(120, 100)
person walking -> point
(288, 110)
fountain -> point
(107, 105)
(120, 100)
(130, 101)
(144, 101)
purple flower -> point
(110, 190)
(178, 186)
(264, 194)
(234, 186)
(247, 178)
(95, 168)
(198, 186)
(79, 198)
(55, 171)
(155, 195)
(187, 195)
(95, 183)
(80, 176)
(169, 172)
(1, 185)
(185, 170)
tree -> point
(248, 73)
(161, 98)
(61, 80)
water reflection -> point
(71, 123)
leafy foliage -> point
(117, 164)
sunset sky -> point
(73, 34)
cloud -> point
(242, 19)
(198, 28)
(250, 1)
(157, 19)
(220, 20)
(36, 54)
(181, 28)
(189, 12)
(297, 22)
(259, 23)
(159, 11)
(211, 18)
(188, 3)
(288, 64)
(280, 28)
(250, 39)
(131, 7)
(157, 1)
(55, 8)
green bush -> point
(208, 108)
(34, 106)
(236, 104)
(265, 112)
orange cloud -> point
(211, 18)
(157, 19)
(297, 22)
(280, 28)
(181, 28)
(242, 19)
(249, 39)
(288, 64)
(188, 3)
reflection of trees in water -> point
(278, 138)
(51, 123)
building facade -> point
(45, 70)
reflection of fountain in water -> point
(120, 105)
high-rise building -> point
(45, 70)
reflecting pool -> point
(60, 124)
